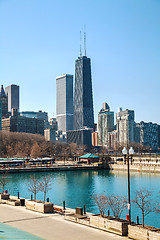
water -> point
(77, 188)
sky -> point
(40, 40)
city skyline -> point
(122, 42)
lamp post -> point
(128, 156)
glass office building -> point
(83, 97)
(64, 102)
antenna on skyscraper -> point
(80, 45)
(84, 40)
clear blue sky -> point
(39, 40)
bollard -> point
(64, 205)
(18, 195)
(48, 199)
(84, 209)
(31, 197)
(108, 213)
(137, 220)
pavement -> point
(46, 226)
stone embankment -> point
(138, 164)
(150, 167)
(51, 168)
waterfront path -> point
(50, 226)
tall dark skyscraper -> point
(83, 97)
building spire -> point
(80, 45)
(2, 91)
(84, 40)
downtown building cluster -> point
(75, 116)
(12, 120)
(125, 132)
(74, 122)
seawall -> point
(151, 168)
(51, 168)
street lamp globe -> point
(124, 151)
(131, 151)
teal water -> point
(9, 233)
(77, 188)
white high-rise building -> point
(105, 125)
(125, 126)
(64, 102)
(12, 92)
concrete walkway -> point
(50, 226)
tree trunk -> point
(44, 196)
(34, 196)
(142, 219)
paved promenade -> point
(50, 226)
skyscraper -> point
(64, 102)
(147, 134)
(4, 102)
(105, 125)
(12, 92)
(125, 126)
(0, 116)
(83, 97)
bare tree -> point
(46, 186)
(12, 143)
(117, 204)
(81, 149)
(73, 149)
(142, 201)
(36, 150)
(10, 151)
(156, 207)
(34, 186)
(101, 201)
(66, 152)
(3, 180)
